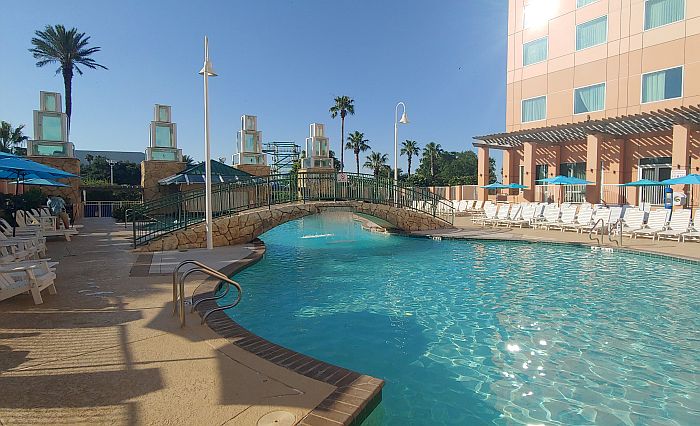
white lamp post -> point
(404, 120)
(111, 171)
(207, 71)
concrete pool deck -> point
(106, 348)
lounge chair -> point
(568, 215)
(584, 218)
(694, 231)
(655, 223)
(527, 213)
(551, 216)
(633, 220)
(501, 214)
(678, 225)
(23, 277)
(514, 214)
(598, 222)
(489, 214)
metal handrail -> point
(595, 225)
(618, 226)
(180, 210)
(179, 296)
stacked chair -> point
(23, 266)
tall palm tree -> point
(409, 148)
(432, 150)
(67, 48)
(11, 138)
(376, 161)
(358, 143)
(343, 106)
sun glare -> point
(539, 12)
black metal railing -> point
(184, 209)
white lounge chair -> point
(23, 277)
(583, 218)
(655, 223)
(550, 216)
(678, 225)
(489, 214)
(598, 223)
(568, 215)
(633, 220)
(514, 214)
(501, 214)
(694, 231)
(527, 213)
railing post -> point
(269, 194)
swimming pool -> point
(468, 332)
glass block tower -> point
(163, 144)
(317, 153)
(250, 157)
(50, 129)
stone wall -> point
(245, 227)
(253, 169)
(152, 172)
(70, 194)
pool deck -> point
(106, 349)
(465, 229)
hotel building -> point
(603, 90)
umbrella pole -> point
(14, 206)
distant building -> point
(131, 157)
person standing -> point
(57, 207)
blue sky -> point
(282, 60)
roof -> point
(220, 173)
(617, 127)
(126, 156)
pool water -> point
(470, 332)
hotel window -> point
(577, 170)
(589, 99)
(662, 85)
(662, 12)
(581, 3)
(592, 33)
(535, 51)
(534, 109)
(541, 173)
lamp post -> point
(404, 120)
(111, 171)
(207, 71)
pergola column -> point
(483, 172)
(529, 150)
(593, 157)
(680, 156)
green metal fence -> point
(184, 209)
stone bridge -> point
(248, 225)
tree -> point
(11, 139)
(343, 106)
(336, 163)
(357, 143)
(189, 161)
(409, 148)
(376, 161)
(432, 150)
(68, 48)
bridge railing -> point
(184, 209)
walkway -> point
(107, 350)
(465, 229)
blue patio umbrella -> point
(691, 179)
(565, 180)
(643, 182)
(495, 185)
(516, 186)
(41, 182)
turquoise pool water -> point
(471, 333)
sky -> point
(281, 60)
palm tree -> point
(358, 143)
(376, 161)
(11, 138)
(69, 49)
(432, 150)
(343, 106)
(189, 161)
(409, 148)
